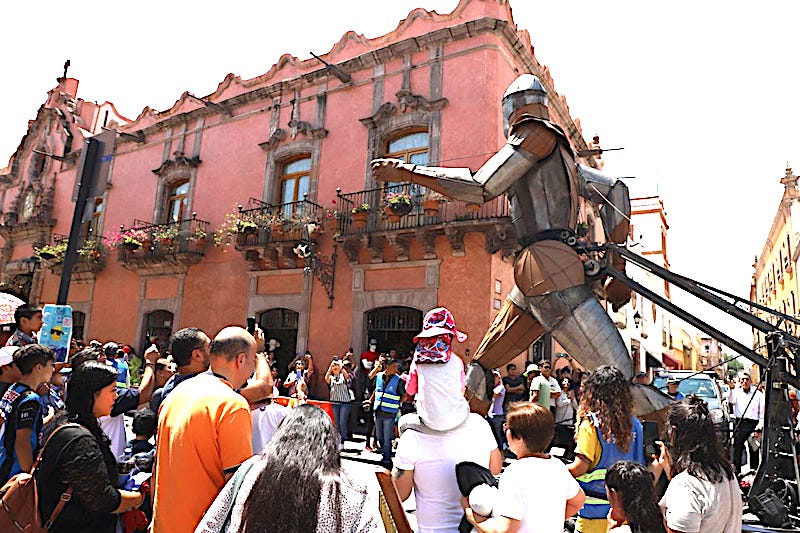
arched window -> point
(78, 325)
(410, 147)
(294, 183)
(178, 201)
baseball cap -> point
(7, 355)
(641, 374)
(373, 342)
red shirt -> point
(370, 356)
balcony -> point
(91, 259)
(366, 220)
(267, 233)
(157, 249)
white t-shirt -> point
(695, 505)
(266, 420)
(114, 428)
(520, 496)
(433, 459)
(439, 393)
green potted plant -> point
(246, 226)
(398, 204)
(52, 252)
(166, 235)
(93, 250)
(360, 214)
(200, 237)
(431, 203)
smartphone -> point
(335, 357)
(251, 325)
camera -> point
(335, 357)
(251, 325)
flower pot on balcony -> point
(394, 216)
(277, 230)
(431, 207)
(131, 246)
(331, 224)
(360, 220)
(167, 242)
(147, 244)
(200, 243)
(47, 256)
(473, 208)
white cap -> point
(7, 354)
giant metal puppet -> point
(538, 171)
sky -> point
(701, 95)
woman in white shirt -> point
(703, 495)
(537, 492)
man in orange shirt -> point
(204, 433)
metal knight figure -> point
(537, 169)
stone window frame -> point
(165, 184)
(299, 302)
(280, 156)
(388, 125)
(279, 178)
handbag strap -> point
(53, 434)
(238, 479)
(66, 496)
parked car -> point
(706, 387)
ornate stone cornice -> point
(178, 161)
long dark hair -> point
(87, 379)
(299, 463)
(693, 441)
(607, 394)
(635, 484)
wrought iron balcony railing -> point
(147, 241)
(290, 221)
(375, 217)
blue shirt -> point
(26, 414)
(122, 372)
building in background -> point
(774, 282)
(265, 164)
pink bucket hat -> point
(439, 321)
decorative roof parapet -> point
(420, 30)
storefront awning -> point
(651, 362)
(671, 362)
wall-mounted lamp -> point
(637, 319)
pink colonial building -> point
(269, 162)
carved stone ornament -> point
(179, 160)
(274, 139)
(384, 113)
(409, 101)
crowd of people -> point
(233, 446)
